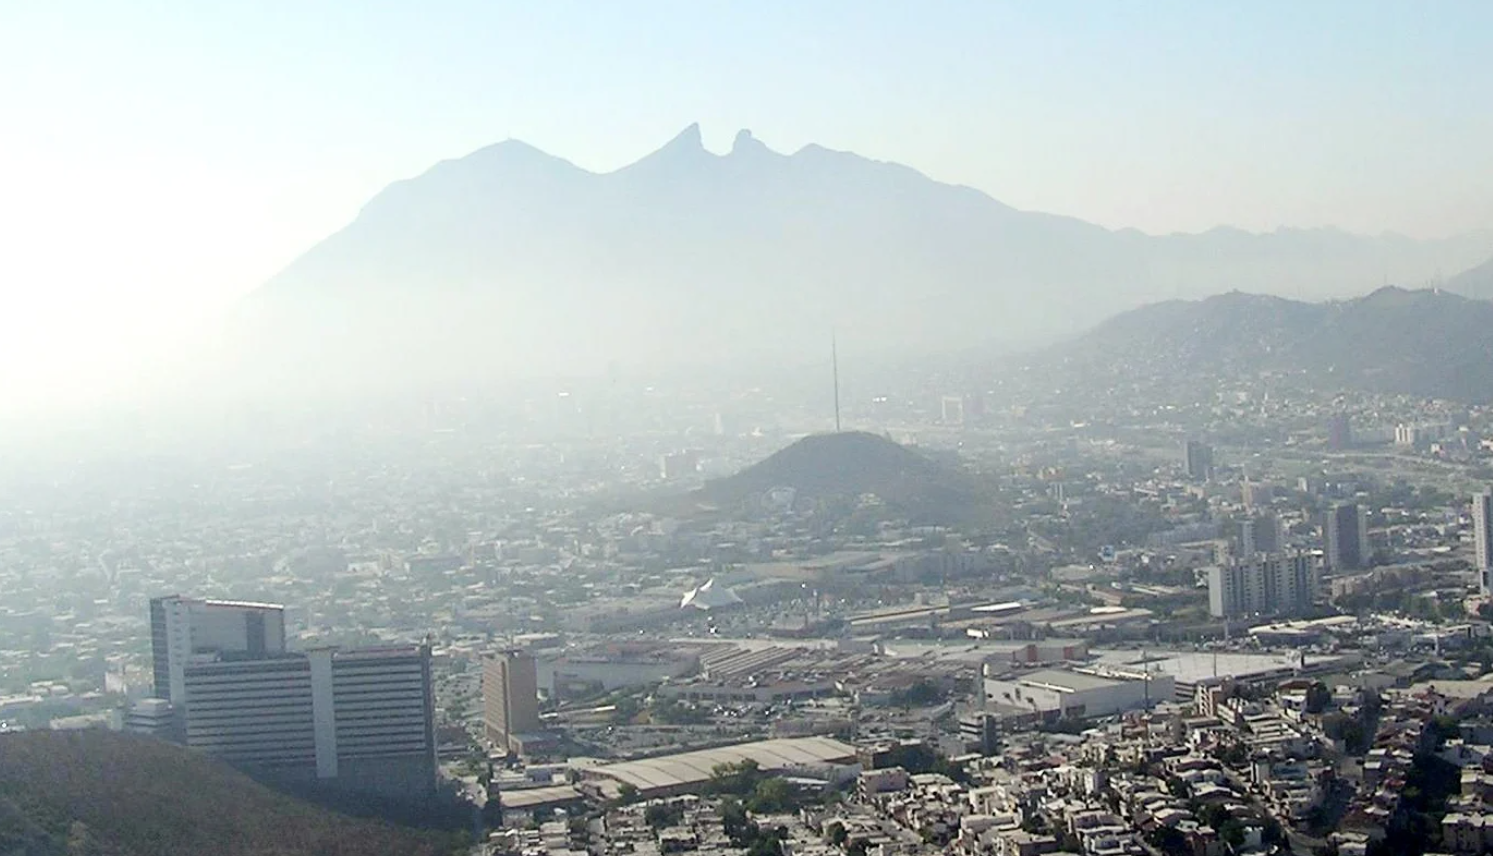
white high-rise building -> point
(1482, 529)
(1263, 584)
(358, 719)
(183, 627)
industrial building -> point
(810, 757)
(1074, 694)
(1192, 669)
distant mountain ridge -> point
(513, 261)
(1476, 282)
(1425, 342)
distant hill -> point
(1427, 342)
(846, 465)
(1476, 282)
(95, 793)
(510, 261)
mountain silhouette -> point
(1475, 282)
(510, 261)
(1427, 342)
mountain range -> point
(1426, 342)
(511, 261)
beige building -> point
(510, 699)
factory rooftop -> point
(1065, 681)
(688, 770)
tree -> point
(771, 795)
(769, 843)
(1169, 841)
(739, 779)
(1342, 727)
(837, 834)
(1232, 831)
(1214, 815)
(1318, 697)
(660, 815)
(737, 825)
(627, 793)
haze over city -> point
(820, 429)
(161, 162)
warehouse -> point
(809, 757)
(1077, 694)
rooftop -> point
(689, 768)
(1065, 681)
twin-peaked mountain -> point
(510, 261)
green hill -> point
(1429, 343)
(846, 465)
(95, 793)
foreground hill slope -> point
(1427, 342)
(95, 792)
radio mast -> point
(834, 356)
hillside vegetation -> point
(95, 793)
(1429, 343)
(829, 468)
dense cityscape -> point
(1243, 623)
(667, 428)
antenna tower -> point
(834, 356)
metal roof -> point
(672, 771)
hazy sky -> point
(159, 158)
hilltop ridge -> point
(845, 466)
(513, 262)
(1423, 342)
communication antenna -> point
(834, 356)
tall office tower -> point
(1225, 600)
(1346, 530)
(1198, 458)
(1260, 533)
(1257, 495)
(1339, 432)
(951, 410)
(358, 720)
(1482, 529)
(510, 699)
(182, 627)
(1264, 584)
